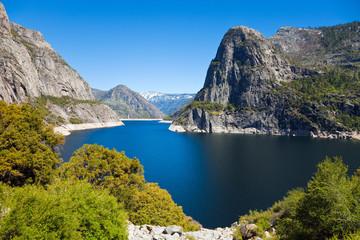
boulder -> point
(248, 230)
(173, 229)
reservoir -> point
(218, 177)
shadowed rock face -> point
(246, 78)
(30, 68)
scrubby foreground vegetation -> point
(329, 208)
(90, 197)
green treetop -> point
(26, 146)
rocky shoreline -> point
(68, 128)
(325, 135)
(141, 119)
(148, 232)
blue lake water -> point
(218, 177)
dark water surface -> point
(218, 177)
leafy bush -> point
(153, 205)
(64, 211)
(26, 146)
(64, 101)
(205, 105)
(328, 208)
(287, 206)
(329, 202)
(104, 168)
(75, 121)
(351, 236)
(261, 219)
(330, 205)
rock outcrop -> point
(246, 68)
(248, 90)
(245, 64)
(31, 68)
(4, 21)
(321, 46)
(148, 232)
(127, 103)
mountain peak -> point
(4, 21)
(127, 103)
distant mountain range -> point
(168, 103)
(127, 103)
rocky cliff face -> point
(4, 21)
(336, 45)
(31, 68)
(127, 103)
(246, 68)
(245, 64)
(251, 87)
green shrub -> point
(204, 105)
(329, 207)
(64, 211)
(350, 236)
(26, 146)
(329, 203)
(146, 203)
(76, 121)
(261, 219)
(153, 205)
(106, 168)
(237, 235)
(287, 206)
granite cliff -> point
(127, 103)
(272, 86)
(31, 71)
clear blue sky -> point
(161, 46)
